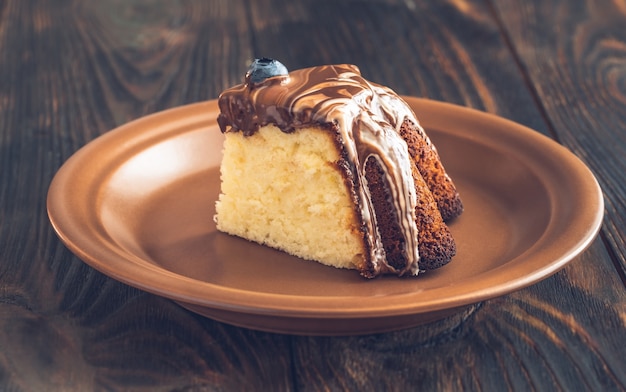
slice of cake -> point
(326, 166)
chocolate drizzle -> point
(368, 118)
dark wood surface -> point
(73, 70)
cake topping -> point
(368, 118)
(264, 68)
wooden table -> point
(73, 70)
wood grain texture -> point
(438, 50)
(541, 338)
(574, 56)
(72, 70)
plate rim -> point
(238, 300)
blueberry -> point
(264, 68)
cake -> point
(327, 166)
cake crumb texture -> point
(295, 195)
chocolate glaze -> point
(367, 117)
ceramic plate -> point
(138, 203)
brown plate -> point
(137, 204)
